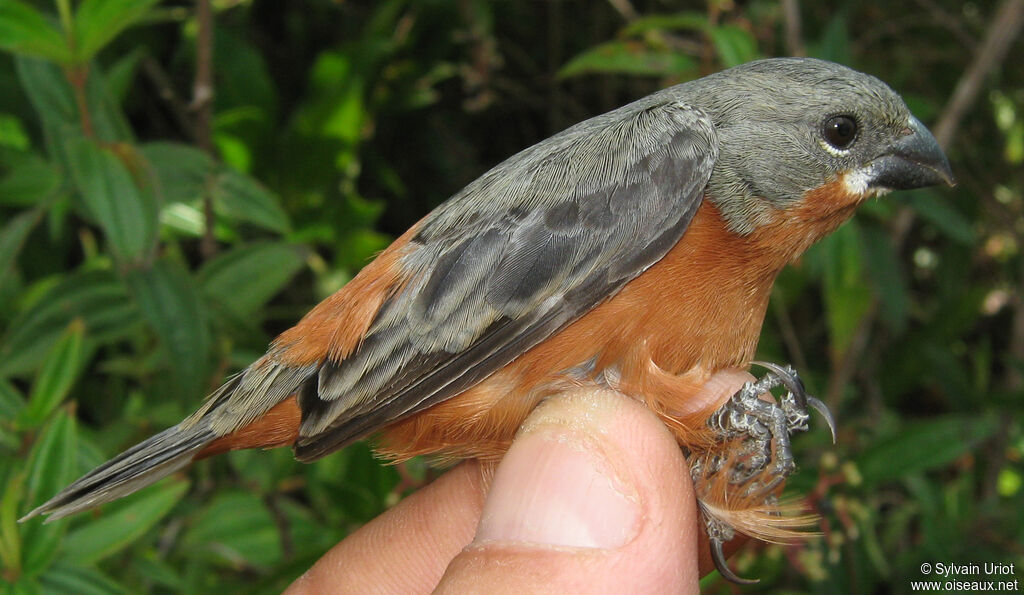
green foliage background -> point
(334, 126)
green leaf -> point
(160, 572)
(51, 463)
(233, 151)
(99, 21)
(244, 278)
(169, 300)
(10, 535)
(22, 586)
(126, 212)
(41, 543)
(242, 198)
(110, 533)
(12, 133)
(337, 108)
(883, 266)
(937, 210)
(733, 44)
(356, 474)
(695, 21)
(1009, 483)
(108, 120)
(29, 179)
(628, 57)
(950, 373)
(184, 219)
(69, 578)
(121, 73)
(48, 90)
(308, 531)
(834, 44)
(357, 247)
(12, 236)
(242, 77)
(58, 374)
(922, 446)
(236, 527)
(53, 98)
(847, 296)
(99, 298)
(181, 171)
(24, 30)
(12, 402)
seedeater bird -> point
(635, 250)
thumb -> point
(593, 496)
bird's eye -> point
(840, 131)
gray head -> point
(789, 125)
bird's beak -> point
(914, 161)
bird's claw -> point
(823, 410)
(796, 390)
(718, 534)
(763, 458)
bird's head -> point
(789, 127)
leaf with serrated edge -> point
(110, 533)
(24, 30)
(58, 374)
(99, 21)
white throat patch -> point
(857, 182)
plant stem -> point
(202, 103)
(66, 20)
(78, 76)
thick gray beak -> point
(914, 161)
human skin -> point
(594, 495)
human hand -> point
(593, 495)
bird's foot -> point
(758, 458)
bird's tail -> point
(143, 464)
(214, 428)
(254, 409)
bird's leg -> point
(758, 456)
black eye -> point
(840, 131)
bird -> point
(635, 250)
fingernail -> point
(558, 486)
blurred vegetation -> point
(312, 133)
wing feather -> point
(525, 250)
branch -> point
(1005, 27)
(951, 22)
(202, 104)
(78, 77)
(792, 24)
(625, 9)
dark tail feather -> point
(238, 402)
(137, 467)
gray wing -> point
(517, 255)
